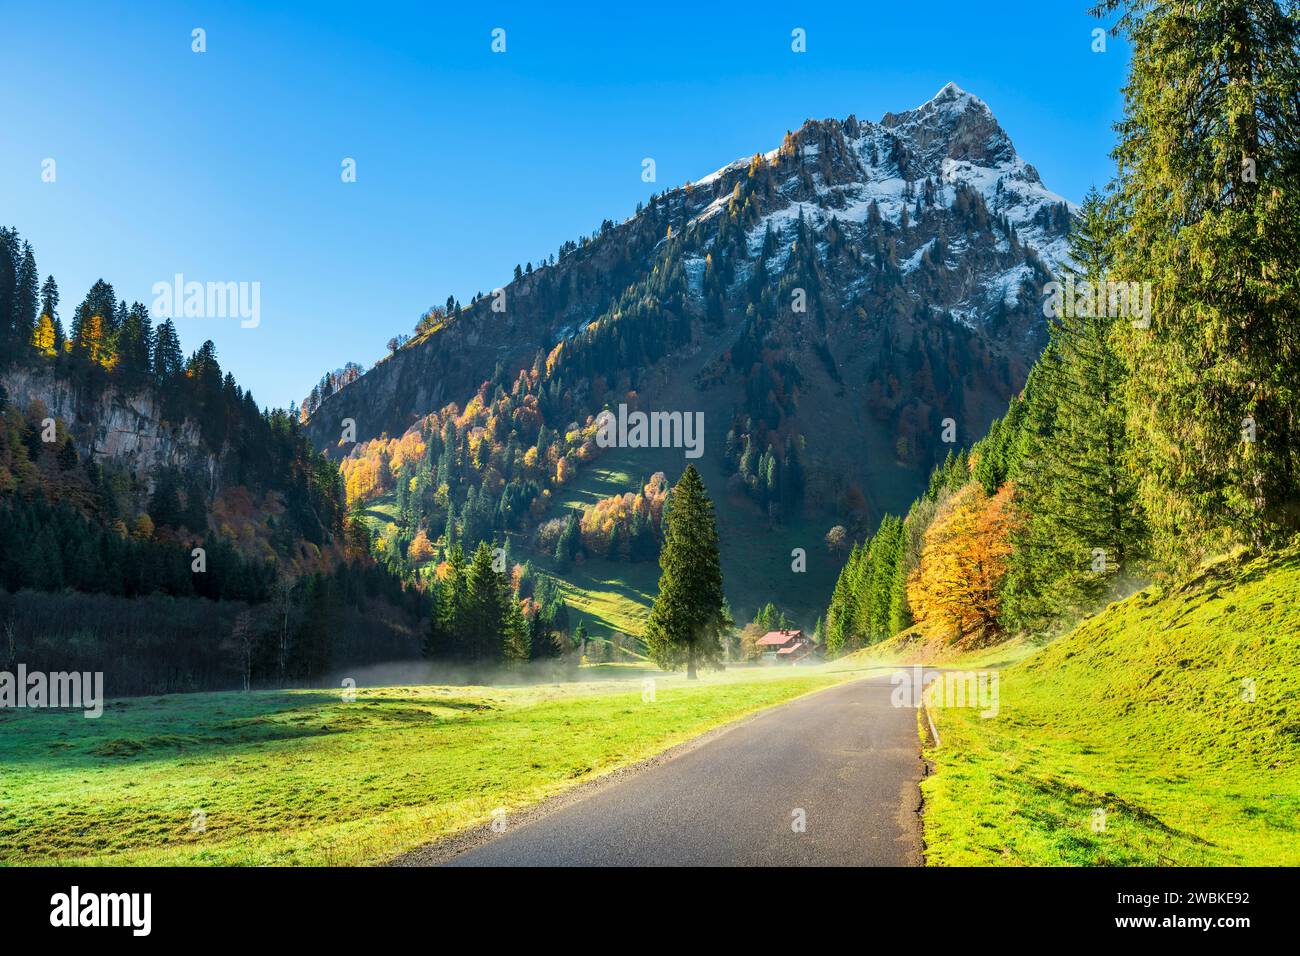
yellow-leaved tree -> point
(43, 337)
(954, 590)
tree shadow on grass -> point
(196, 726)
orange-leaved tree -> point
(420, 549)
(954, 590)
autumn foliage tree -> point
(954, 591)
(421, 549)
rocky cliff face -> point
(107, 425)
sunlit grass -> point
(302, 777)
(1143, 712)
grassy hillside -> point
(1143, 711)
(913, 647)
(302, 777)
(756, 554)
(609, 596)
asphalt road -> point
(843, 760)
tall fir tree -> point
(168, 360)
(9, 262)
(566, 546)
(516, 632)
(27, 297)
(886, 547)
(688, 620)
(92, 331)
(453, 603)
(48, 337)
(50, 298)
(544, 643)
(135, 346)
(1208, 197)
(840, 615)
(485, 611)
(437, 643)
(1083, 523)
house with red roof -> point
(786, 647)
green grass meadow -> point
(303, 777)
(1145, 712)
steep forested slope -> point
(151, 514)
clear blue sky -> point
(225, 165)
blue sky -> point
(225, 165)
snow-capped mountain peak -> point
(850, 170)
(921, 244)
(954, 100)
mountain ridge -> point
(951, 100)
(880, 279)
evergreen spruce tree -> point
(542, 639)
(900, 613)
(437, 637)
(1076, 489)
(840, 614)
(516, 633)
(164, 503)
(449, 532)
(453, 605)
(168, 359)
(687, 619)
(1208, 197)
(885, 550)
(485, 610)
(135, 346)
(48, 335)
(566, 548)
(9, 262)
(50, 298)
(195, 513)
(26, 300)
(92, 323)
